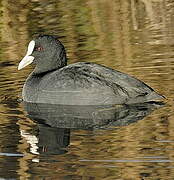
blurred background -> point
(133, 36)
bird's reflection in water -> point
(56, 121)
(53, 140)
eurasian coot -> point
(82, 83)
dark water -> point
(136, 37)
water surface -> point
(136, 37)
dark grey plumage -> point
(83, 83)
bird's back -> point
(91, 84)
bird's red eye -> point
(39, 48)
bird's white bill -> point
(25, 62)
(27, 59)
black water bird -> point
(82, 83)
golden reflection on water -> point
(136, 37)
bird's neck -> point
(44, 68)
